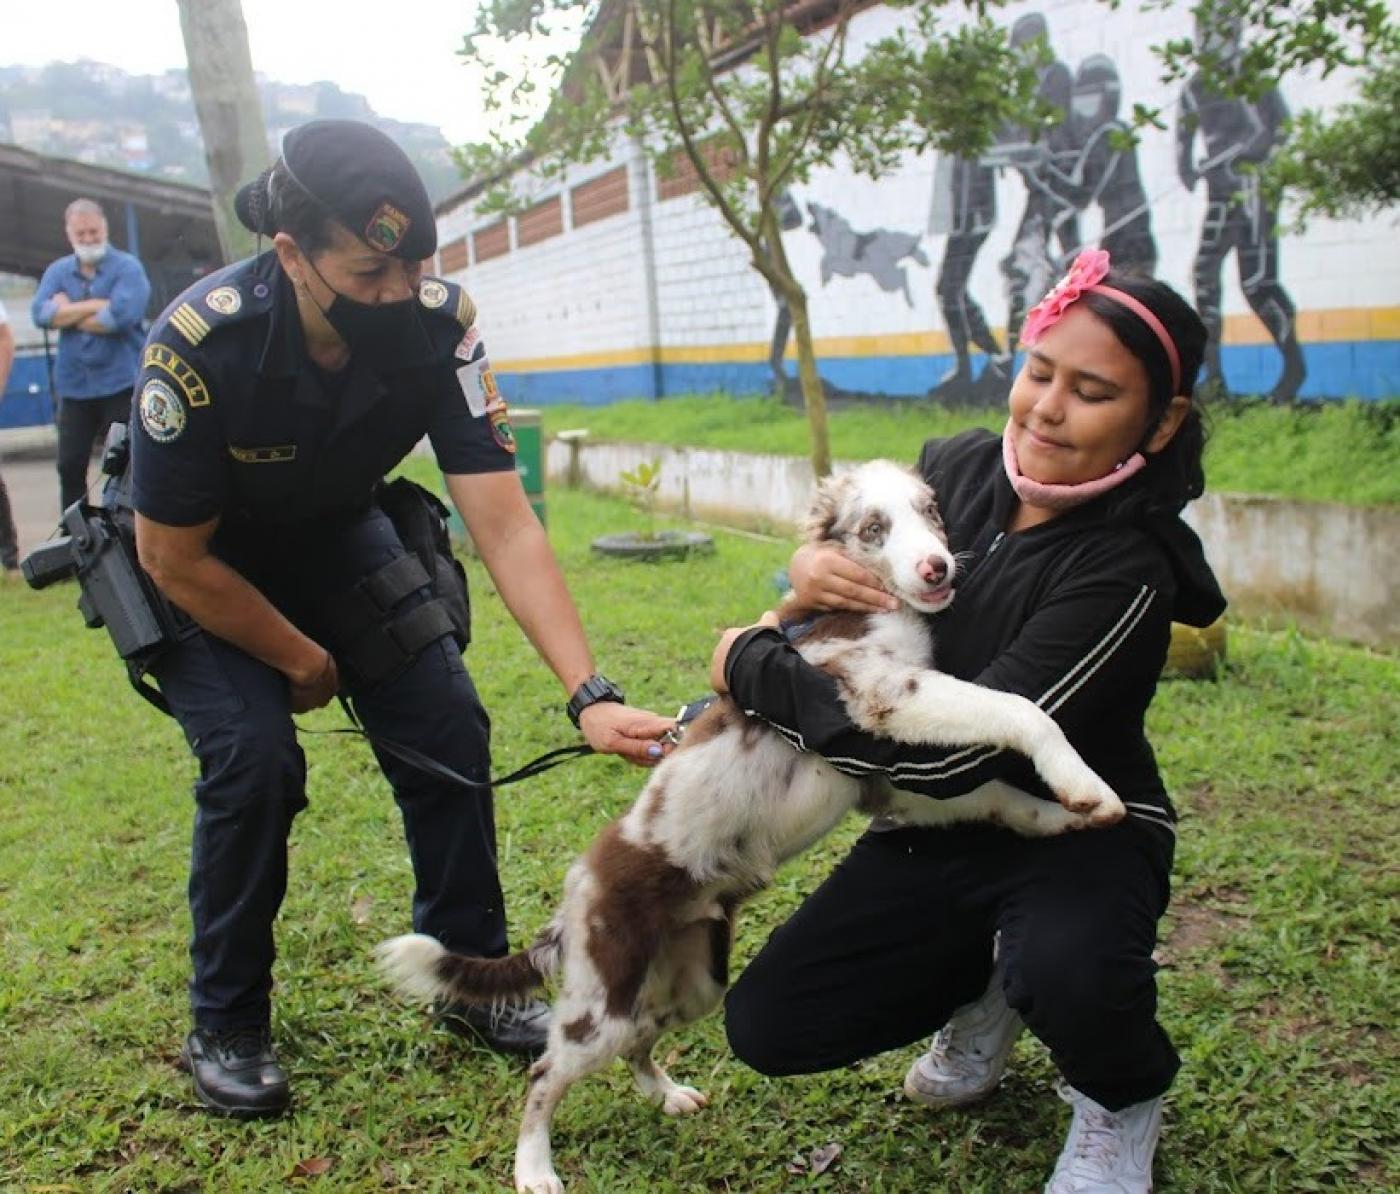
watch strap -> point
(596, 688)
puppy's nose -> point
(933, 569)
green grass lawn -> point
(1278, 981)
(1338, 452)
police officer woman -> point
(273, 398)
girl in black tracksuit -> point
(1070, 607)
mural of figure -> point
(965, 209)
(789, 217)
(1030, 269)
(1105, 174)
(1235, 132)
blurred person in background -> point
(95, 298)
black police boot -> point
(521, 1028)
(236, 1072)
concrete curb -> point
(1330, 568)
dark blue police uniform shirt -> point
(232, 419)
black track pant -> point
(901, 935)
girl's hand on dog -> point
(823, 577)
(726, 644)
(613, 729)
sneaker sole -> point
(945, 1102)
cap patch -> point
(162, 413)
(224, 299)
(432, 294)
(387, 228)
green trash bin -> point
(529, 463)
(529, 456)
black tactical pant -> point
(901, 935)
(235, 714)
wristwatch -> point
(596, 688)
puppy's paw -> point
(683, 1100)
(1107, 812)
(1052, 820)
(542, 1183)
(1085, 793)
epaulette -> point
(228, 296)
(438, 295)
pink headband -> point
(1084, 277)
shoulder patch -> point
(189, 323)
(161, 412)
(166, 359)
(224, 300)
(501, 430)
(432, 293)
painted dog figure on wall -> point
(877, 252)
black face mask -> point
(385, 336)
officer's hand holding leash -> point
(632, 734)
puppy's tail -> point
(422, 968)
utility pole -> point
(226, 102)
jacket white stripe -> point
(1128, 628)
(1110, 642)
(1146, 812)
(972, 757)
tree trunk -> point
(813, 396)
(226, 102)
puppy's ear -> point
(824, 517)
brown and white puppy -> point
(643, 933)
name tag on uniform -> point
(478, 385)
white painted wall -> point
(587, 291)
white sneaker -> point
(969, 1054)
(1107, 1152)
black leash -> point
(545, 762)
(416, 758)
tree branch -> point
(702, 170)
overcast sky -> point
(397, 53)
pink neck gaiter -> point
(1063, 497)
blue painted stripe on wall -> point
(1368, 369)
(1363, 369)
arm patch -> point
(158, 356)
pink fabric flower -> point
(1089, 269)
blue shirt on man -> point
(94, 364)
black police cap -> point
(362, 178)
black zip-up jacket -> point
(1074, 614)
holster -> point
(375, 638)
